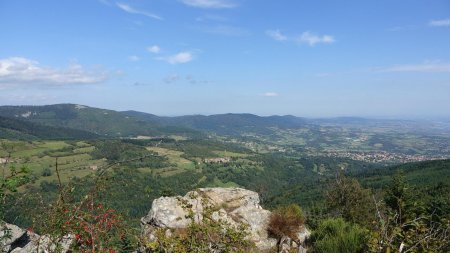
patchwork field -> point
(40, 157)
(175, 157)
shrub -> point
(339, 236)
(208, 236)
(346, 198)
(286, 221)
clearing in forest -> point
(175, 157)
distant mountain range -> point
(225, 124)
(109, 123)
(76, 121)
(100, 122)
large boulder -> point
(236, 206)
(45, 244)
(10, 235)
(17, 240)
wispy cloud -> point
(191, 79)
(270, 94)
(141, 84)
(133, 58)
(210, 4)
(225, 30)
(313, 39)
(154, 49)
(131, 10)
(440, 22)
(430, 67)
(403, 28)
(175, 78)
(181, 57)
(305, 38)
(433, 23)
(276, 35)
(105, 2)
(19, 71)
(210, 17)
(172, 78)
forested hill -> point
(228, 124)
(107, 123)
(420, 174)
(11, 128)
(367, 134)
(132, 123)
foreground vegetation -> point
(93, 173)
(373, 209)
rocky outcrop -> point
(10, 235)
(234, 205)
(17, 240)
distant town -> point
(382, 157)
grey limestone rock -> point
(234, 205)
(18, 240)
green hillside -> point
(226, 124)
(421, 174)
(11, 128)
(169, 167)
(107, 123)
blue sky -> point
(174, 57)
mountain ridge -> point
(103, 122)
(123, 124)
(24, 130)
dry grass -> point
(286, 221)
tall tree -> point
(348, 199)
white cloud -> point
(133, 58)
(313, 39)
(441, 22)
(131, 10)
(430, 67)
(210, 4)
(305, 38)
(18, 70)
(276, 35)
(182, 57)
(270, 94)
(154, 49)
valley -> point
(132, 160)
(224, 126)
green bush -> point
(207, 236)
(338, 236)
(346, 198)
